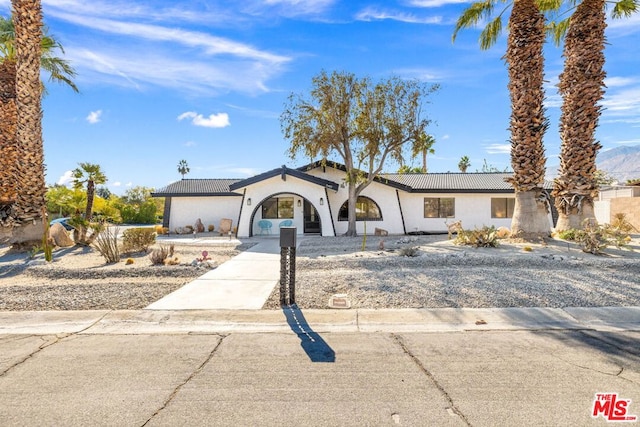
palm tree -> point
(582, 87)
(91, 175)
(464, 164)
(528, 123)
(183, 168)
(422, 146)
(29, 205)
(28, 175)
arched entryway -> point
(284, 208)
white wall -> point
(474, 210)
(602, 211)
(210, 210)
(276, 187)
(384, 195)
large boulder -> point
(60, 236)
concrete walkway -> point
(243, 282)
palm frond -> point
(490, 34)
(625, 8)
(472, 15)
(557, 30)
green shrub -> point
(480, 238)
(138, 239)
(569, 234)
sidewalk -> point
(604, 319)
(243, 282)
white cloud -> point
(220, 120)
(445, 137)
(66, 178)
(116, 184)
(422, 74)
(190, 144)
(371, 14)
(498, 148)
(435, 3)
(94, 116)
(129, 184)
(619, 81)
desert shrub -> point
(409, 251)
(106, 242)
(594, 238)
(159, 256)
(211, 227)
(569, 234)
(620, 223)
(158, 229)
(527, 249)
(503, 232)
(480, 238)
(138, 239)
(129, 261)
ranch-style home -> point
(313, 198)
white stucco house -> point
(313, 199)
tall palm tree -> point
(582, 87)
(528, 122)
(30, 197)
(423, 146)
(16, 210)
(464, 164)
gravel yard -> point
(552, 274)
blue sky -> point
(206, 81)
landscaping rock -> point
(60, 236)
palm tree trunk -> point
(8, 146)
(582, 87)
(528, 122)
(27, 16)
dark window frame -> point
(343, 212)
(439, 206)
(509, 206)
(280, 208)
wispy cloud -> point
(611, 82)
(159, 52)
(373, 14)
(435, 3)
(94, 116)
(219, 120)
(498, 148)
(422, 74)
(190, 144)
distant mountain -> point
(622, 163)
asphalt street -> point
(308, 377)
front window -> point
(502, 207)
(439, 207)
(278, 208)
(366, 210)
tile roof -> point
(455, 182)
(283, 171)
(198, 187)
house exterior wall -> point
(276, 187)
(474, 210)
(210, 210)
(384, 196)
(602, 211)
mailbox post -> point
(287, 266)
